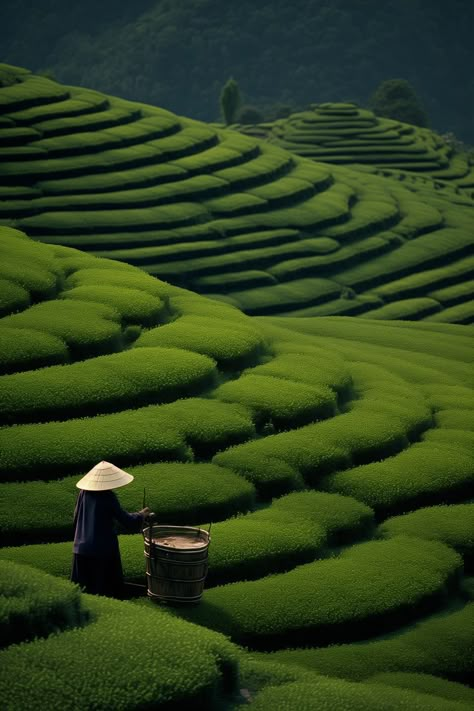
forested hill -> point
(178, 53)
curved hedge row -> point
(161, 432)
(450, 524)
(371, 586)
(114, 176)
(294, 529)
(212, 494)
(33, 604)
(440, 645)
(345, 133)
(438, 472)
(388, 413)
(157, 661)
(399, 388)
(338, 695)
(427, 684)
(103, 384)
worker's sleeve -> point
(131, 521)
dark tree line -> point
(179, 53)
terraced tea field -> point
(345, 134)
(240, 219)
(334, 456)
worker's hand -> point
(144, 513)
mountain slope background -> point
(178, 54)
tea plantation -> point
(333, 455)
(345, 134)
(381, 229)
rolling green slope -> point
(321, 448)
(235, 218)
(346, 134)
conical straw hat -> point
(104, 476)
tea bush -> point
(193, 188)
(339, 695)
(87, 328)
(461, 313)
(133, 305)
(408, 309)
(28, 265)
(449, 524)
(440, 645)
(427, 684)
(26, 348)
(198, 669)
(13, 297)
(33, 604)
(105, 383)
(165, 432)
(42, 511)
(29, 91)
(437, 471)
(229, 344)
(369, 584)
(294, 529)
(377, 425)
(94, 160)
(285, 402)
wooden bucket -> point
(176, 562)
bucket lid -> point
(104, 476)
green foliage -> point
(23, 348)
(427, 684)
(249, 114)
(396, 432)
(119, 176)
(385, 413)
(134, 306)
(230, 100)
(87, 328)
(105, 383)
(33, 604)
(28, 265)
(8, 75)
(440, 645)
(292, 530)
(285, 403)
(27, 90)
(397, 99)
(213, 329)
(338, 695)
(157, 660)
(13, 297)
(161, 432)
(42, 511)
(449, 524)
(438, 470)
(329, 599)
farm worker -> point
(97, 566)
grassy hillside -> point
(230, 216)
(345, 134)
(334, 456)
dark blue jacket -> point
(94, 517)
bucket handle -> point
(209, 532)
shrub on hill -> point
(397, 99)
